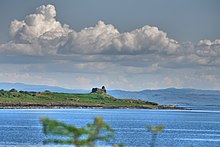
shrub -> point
(84, 136)
(88, 135)
(47, 91)
(154, 131)
(13, 90)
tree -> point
(155, 131)
(84, 136)
(47, 91)
(88, 135)
(13, 90)
(98, 130)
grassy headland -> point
(24, 99)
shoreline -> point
(67, 106)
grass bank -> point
(23, 99)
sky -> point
(126, 44)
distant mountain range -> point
(39, 88)
(161, 96)
(173, 96)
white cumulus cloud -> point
(106, 39)
(41, 34)
(208, 48)
(90, 40)
(41, 25)
(38, 33)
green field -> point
(21, 99)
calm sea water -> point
(200, 127)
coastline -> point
(75, 106)
(97, 99)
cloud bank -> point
(42, 43)
(106, 39)
(40, 33)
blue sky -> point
(122, 44)
(188, 20)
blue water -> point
(200, 128)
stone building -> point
(97, 90)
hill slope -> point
(173, 96)
(23, 99)
(161, 96)
(39, 88)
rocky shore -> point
(68, 106)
